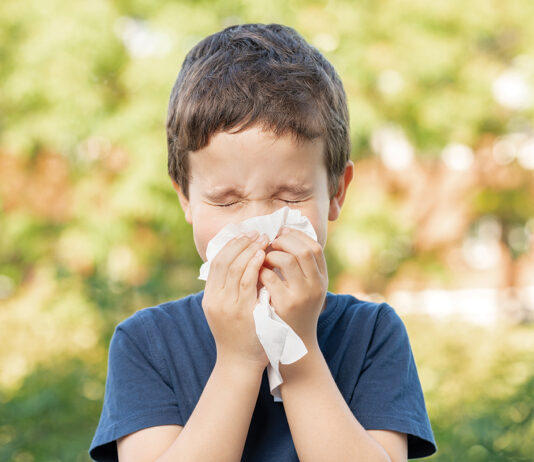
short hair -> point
(257, 74)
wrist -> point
(240, 368)
(305, 365)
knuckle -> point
(245, 284)
(292, 260)
(306, 253)
(239, 315)
(252, 249)
(233, 271)
(217, 263)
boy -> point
(258, 120)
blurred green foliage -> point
(91, 230)
(478, 386)
(52, 414)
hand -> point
(229, 299)
(298, 299)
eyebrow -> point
(230, 191)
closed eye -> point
(225, 205)
(233, 203)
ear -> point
(337, 201)
(184, 201)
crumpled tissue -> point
(279, 340)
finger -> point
(272, 282)
(237, 267)
(308, 252)
(312, 243)
(221, 261)
(249, 281)
(286, 263)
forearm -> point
(322, 425)
(219, 424)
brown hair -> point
(257, 74)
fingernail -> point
(284, 230)
(252, 234)
(262, 237)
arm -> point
(218, 426)
(322, 425)
(221, 417)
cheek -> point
(319, 226)
(321, 235)
(204, 229)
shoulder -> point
(356, 309)
(180, 310)
(153, 329)
(387, 394)
(367, 324)
(150, 337)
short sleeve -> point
(388, 393)
(137, 395)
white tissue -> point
(279, 340)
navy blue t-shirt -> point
(161, 358)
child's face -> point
(242, 175)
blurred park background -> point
(439, 221)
